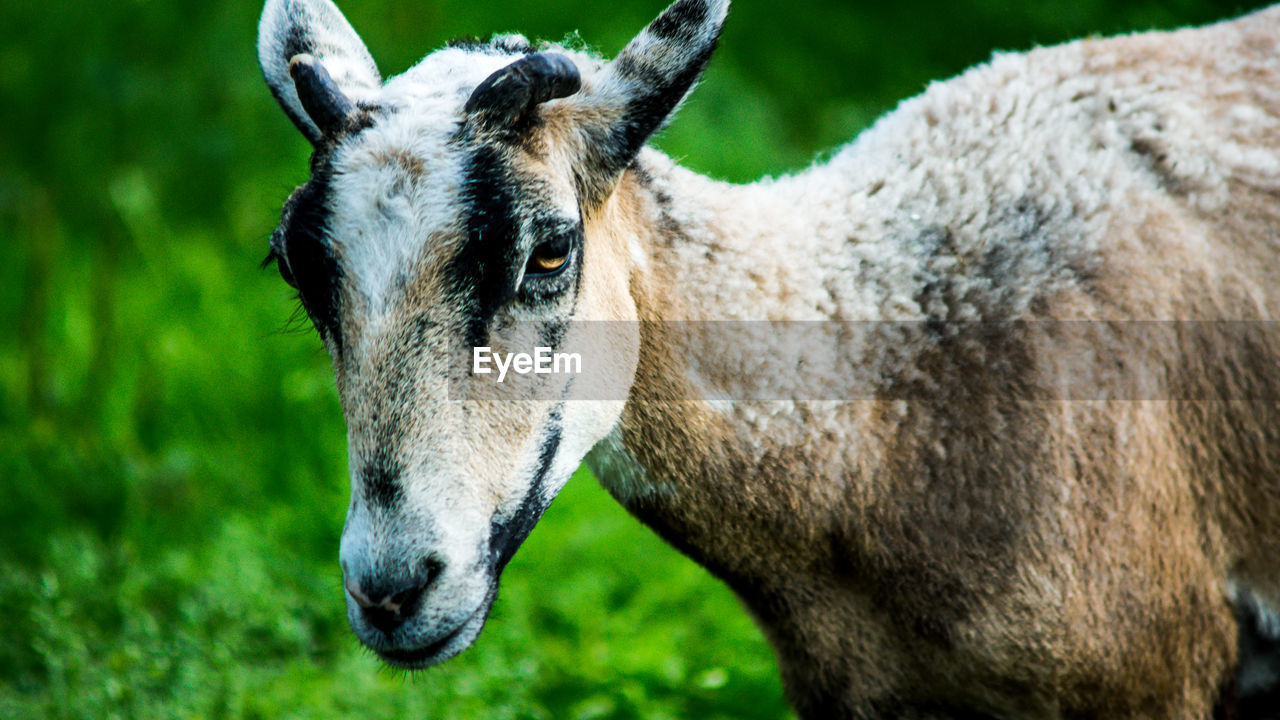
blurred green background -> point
(171, 448)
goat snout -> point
(386, 601)
(412, 612)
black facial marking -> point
(281, 265)
(681, 22)
(506, 537)
(483, 270)
(301, 242)
(382, 475)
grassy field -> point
(171, 447)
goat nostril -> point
(353, 587)
(404, 597)
(430, 569)
(386, 606)
(382, 619)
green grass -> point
(171, 448)
(246, 621)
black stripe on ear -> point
(682, 22)
(615, 146)
(647, 110)
(655, 72)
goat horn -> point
(507, 95)
(326, 105)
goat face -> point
(463, 204)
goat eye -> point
(285, 273)
(550, 257)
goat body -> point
(1046, 459)
(958, 540)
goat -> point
(1030, 481)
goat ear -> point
(634, 95)
(315, 64)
